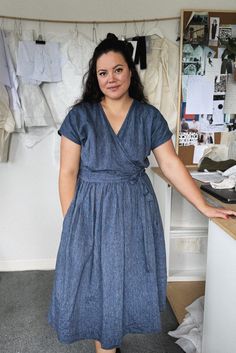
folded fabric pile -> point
(227, 183)
(189, 332)
(211, 165)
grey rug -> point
(24, 300)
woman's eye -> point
(119, 70)
(102, 73)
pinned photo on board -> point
(212, 122)
(220, 84)
(228, 60)
(225, 32)
(188, 138)
(230, 120)
(189, 122)
(189, 125)
(214, 31)
(196, 31)
(193, 68)
(206, 138)
(193, 60)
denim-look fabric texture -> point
(110, 276)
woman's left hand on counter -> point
(215, 212)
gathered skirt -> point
(110, 276)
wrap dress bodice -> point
(143, 129)
(111, 259)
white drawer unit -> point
(185, 232)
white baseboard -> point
(27, 265)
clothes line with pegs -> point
(90, 22)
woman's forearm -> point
(67, 184)
(180, 178)
(175, 171)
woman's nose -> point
(111, 77)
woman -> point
(110, 274)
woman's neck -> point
(117, 104)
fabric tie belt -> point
(147, 221)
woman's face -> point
(113, 75)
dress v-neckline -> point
(124, 121)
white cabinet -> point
(198, 249)
(220, 297)
(185, 231)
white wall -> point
(106, 9)
(29, 205)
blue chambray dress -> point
(110, 276)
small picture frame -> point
(214, 31)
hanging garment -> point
(34, 106)
(4, 145)
(140, 52)
(4, 71)
(38, 63)
(35, 135)
(7, 124)
(110, 276)
(160, 79)
(12, 89)
(76, 50)
(34, 109)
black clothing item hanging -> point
(140, 54)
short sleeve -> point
(160, 130)
(70, 127)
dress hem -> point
(77, 337)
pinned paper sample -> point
(206, 124)
(200, 92)
(213, 67)
(199, 58)
(230, 96)
(208, 56)
(184, 87)
(218, 112)
(220, 52)
(225, 32)
(233, 31)
(220, 84)
(185, 116)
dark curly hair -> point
(92, 92)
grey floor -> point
(24, 300)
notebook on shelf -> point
(224, 195)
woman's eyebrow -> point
(117, 66)
(112, 68)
